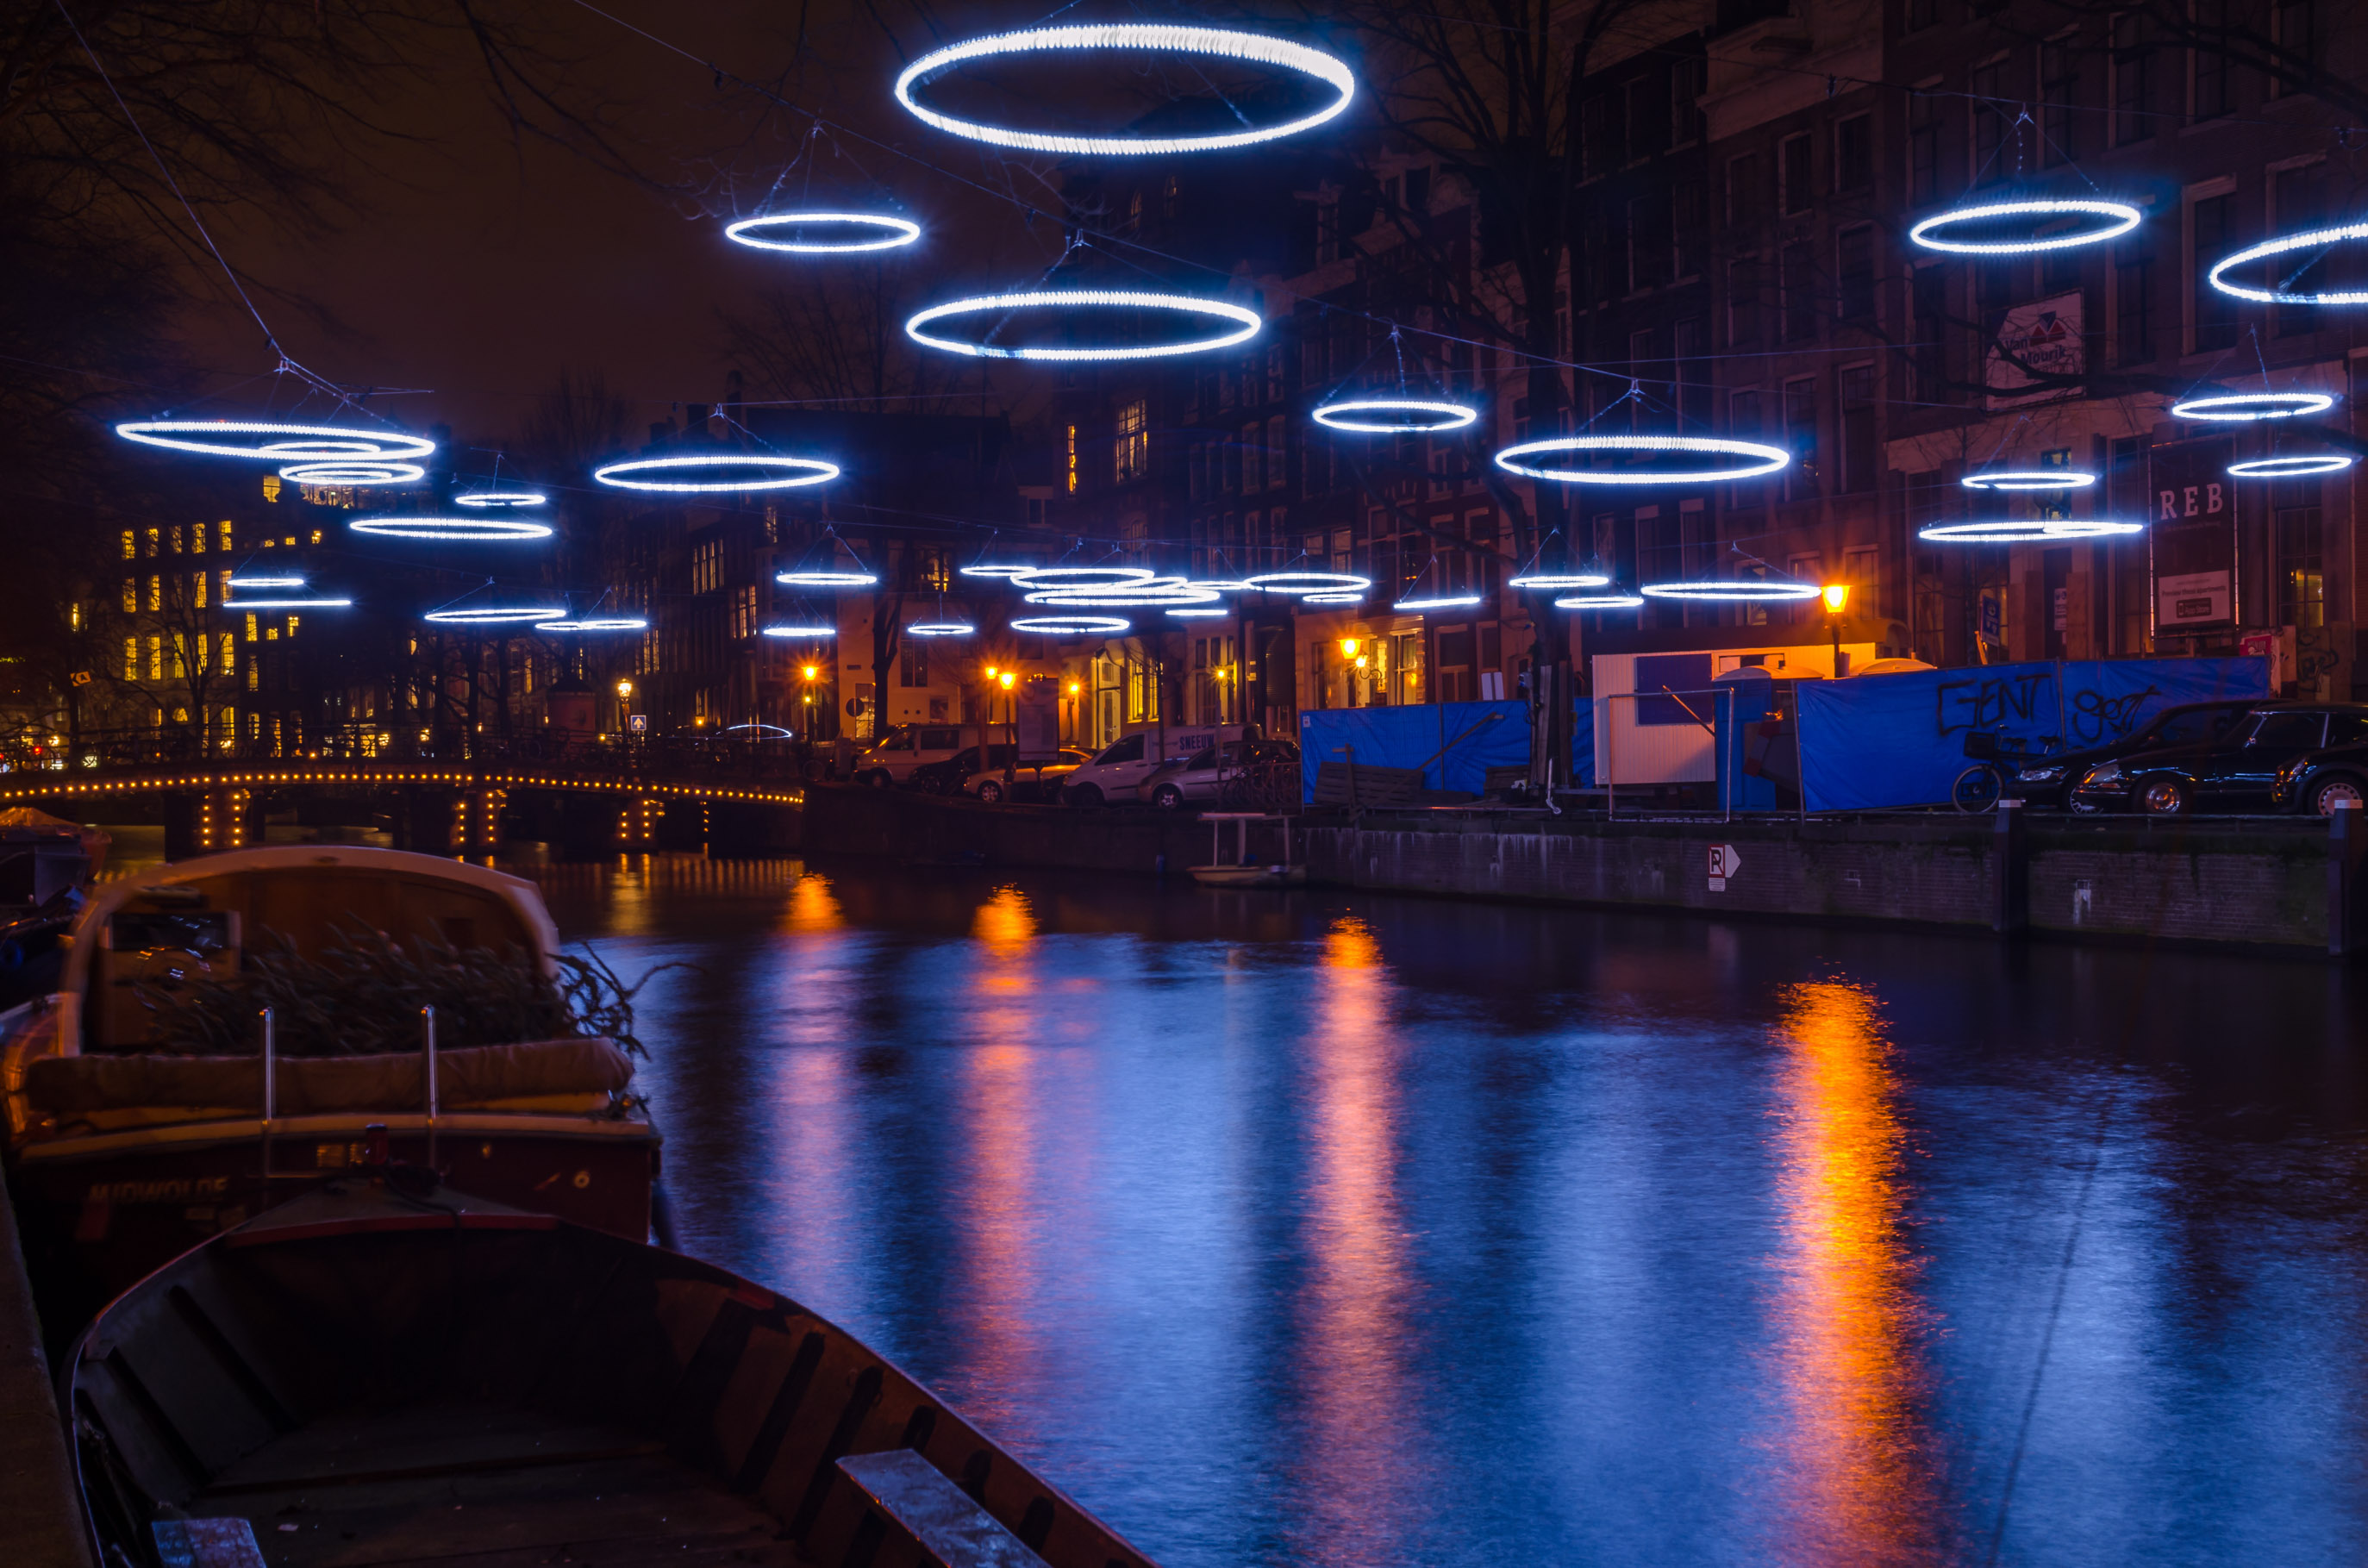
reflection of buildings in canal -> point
(1355, 1383)
(1848, 1318)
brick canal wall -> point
(2244, 883)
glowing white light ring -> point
(1246, 320)
(609, 623)
(2279, 247)
(352, 472)
(1078, 576)
(1451, 416)
(1307, 583)
(2128, 218)
(1152, 595)
(778, 732)
(941, 629)
(2030, 479)
(2022, 531)
(1191, 614)
(231, 607)
(825, 579)
(796, 472)
(2263, 405)
(1413, 607)
(347, 443)
(490, 614)
(1740, 589)
(1770, 458)
(991, 571)
(1071, 625)
(1554, 580)
(484, 529)
(2290, 468)
(501, 498)
(801, 632)
(1224, 43)
(1220, 584)
(900, 231)
(1601, 601)
(239, 582)
(1339, 598)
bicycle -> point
(1997, 756)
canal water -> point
(1321, 1229)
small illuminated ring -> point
(1340, 598)
(1190, 613)
(802, 631)
(990, 571)
(1445, 601)
(1416, 415)
(1158, 591)
(1307, 583)
(2279, 247)
(777, 732)
(786, 473)
(491, 615)
(2021, 532)
(610, 623)
(1601, 601)
(825, 579)
(2290, 468)
(236, 605)
(318, 440)
(501, 498)
(941, 629)
(1081, 576)
(2125, 216)
(1220, 41)
(1736, 589)
(352, 470)
(1550, 580)
(1769, 458)
(2031, 479)
(1222, 585)
(2253, 405)
(1071, 625)
(885, 233)
(486, 528)
(243, 582)
(1245, 321)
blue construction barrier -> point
(1477, 735)
(1873, 742)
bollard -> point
(2347, 839)
(2010, 872)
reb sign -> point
(2192, 535)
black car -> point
(945, 775)
(2048, 781)
(2239, 772)
(2323, 781)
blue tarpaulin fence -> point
(1881, 741)
(1409, 736)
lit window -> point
(131, 596)
(131, 658)
(1132, 446)
(129, 547)
(155, 593)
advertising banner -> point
(2044, 336)
(2192, 535)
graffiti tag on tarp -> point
(2092, 716)
(1994, 700)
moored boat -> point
(383, 1372)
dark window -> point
(2347, 729)
(1801, 437)
(2209, 61)
(2302, 578)
(1686, 226)
(2059, 89)
(1922, 14)
(1997, 281)
(2289, 729)
(1923, 147)
(2214, 222)
(1689, 79)
(2197, 725)
(2295, 26)
(2132, 81)
(2301, 204)
(1854, 153)
(1857, 268)
(1693, 374)
(1797, 281)
(1746, 196)
(1648, 242)
(1599, 130)
(1992, 116)
(1792, 174)
(1858, 428)
(1743, 301)
(1648, 117)
(1929, 346)
(2133, 308)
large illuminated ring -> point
(802, 631)
(1444, 601)
(941, 629)
(2290, 468)
(2279, 247)
(501, 498)
(2125, 216)
(1191, 614)
(352, 470)
(1246, 323)
(490, 614)
(1601, 601)
(308, 440)
(1307, 583)
(1165, 39)
(1157, 592)
(609, 623)
(1415, 415)
(1071, 625)
(486, 528)
(233, 606)
(825, 579)
(241, 581)
(1080, 576)
(1339, 598)
(787, 472)
(1770, 458)
(884, 232)
(2031, 479)
(1548, 580)
(1740, 589)
(2021, 532)
(2253, 405)
(990, 571)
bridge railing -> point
(671, 758)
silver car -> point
(1202, 778)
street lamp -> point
(624, 703)
(1837, 598)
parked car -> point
(2050, 781)
(2239, 772)
(945, 776)
(1201, 780)
(2323, 781)
(1031, 779)
(907, 746)
(1117, 774)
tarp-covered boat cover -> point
(95, 841)
(472, 1076)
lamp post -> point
(624, 701)
(1009, 679)
(1837, 598)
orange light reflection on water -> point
(1862, 1478)
(814, 1100)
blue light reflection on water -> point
(1331, 1229)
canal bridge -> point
(583, 798)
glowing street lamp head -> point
(824, 234)
(1349, 646)
(1837, 598)
(624, 688)
(1071, 303)
(1007, 680)
(714, 474)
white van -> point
(1111, 778)
(892, 758)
